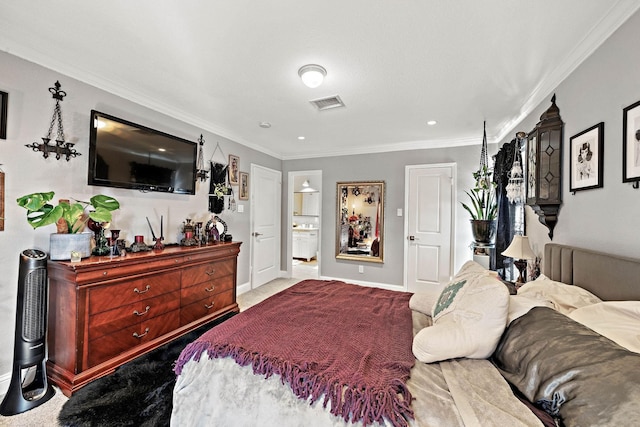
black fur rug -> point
(138, 393)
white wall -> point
(29, 115)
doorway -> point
(304, 219)
(429, 225)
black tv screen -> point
(127, 155)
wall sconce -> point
(544, 171)
(201, 173)
(312, 75)
(61, 148)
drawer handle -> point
(210, 289)
(137, 313)
(210, 306)
(137, 335)
(138, 291)
(211, 272)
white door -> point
(429, 227)
(265, 191)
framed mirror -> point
(360, 221)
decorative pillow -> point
(423, 301)
(617, 320)
(468, 317)
(565, 298)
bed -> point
(497, 382)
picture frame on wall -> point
(631, 143)
(234, 164)
(244, 185)
(4, 106)
(586, 159)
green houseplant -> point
(41, 213)
(483, 207)
(70, 219)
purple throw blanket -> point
(350, 343)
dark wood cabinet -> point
(104, 312)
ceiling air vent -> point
(327, 103)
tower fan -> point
(29, 386)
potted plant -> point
(483, 208)
(216, 197)
(70, 219)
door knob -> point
(256, 234)
(412, 238)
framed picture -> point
(244, 185)
(631, 143)
(234, 162)
(586, 159)
(4, 105)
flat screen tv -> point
(128, 155)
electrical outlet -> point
(361, 269)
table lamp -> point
(520, 251)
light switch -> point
(399, 212)
(240, 208)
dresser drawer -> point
(203, 307)
(107, 297)
(108, 346)
(205, 290)
(205, 272)
(110, 321)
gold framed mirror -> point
(360, 221)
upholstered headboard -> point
(610, 277)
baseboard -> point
(5, 380)
(369, 284)
(241, 289)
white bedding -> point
(459, 392)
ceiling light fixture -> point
(264, 125)
(432, 122)
(312, 75)
(301, 138)
(306, 187)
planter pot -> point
(484, 231)
(216, 204)
(61, 245)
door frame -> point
(317, 183)
(454, 189)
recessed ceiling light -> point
(301, 138)
(432, 122)
(264, 125)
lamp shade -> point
(312, 75)
(519, 248)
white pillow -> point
(468, 317)
(520, 305)
(565, 298)
(617, 320)
(424, 300)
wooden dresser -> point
(103, 311)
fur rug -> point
(138, 393)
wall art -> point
(631, 144)
(234, 164)
(4, 106)
(586, 159)
(244, 185)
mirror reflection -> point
(360, 220)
